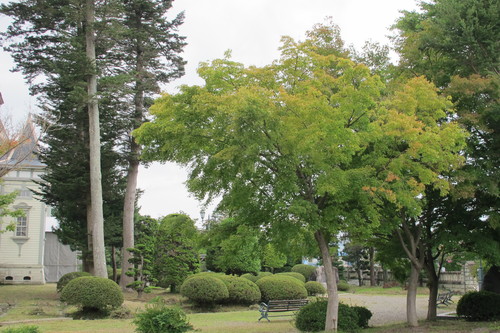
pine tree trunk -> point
(99, 253)
(89, 256)
(113, 263)
(331, 284)
(133, 170)
(128, 221)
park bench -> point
(278, 307)
(445, 298)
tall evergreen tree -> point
(48, 40)
(148, 49)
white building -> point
(22, 250)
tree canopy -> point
(307, 142)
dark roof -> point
(24, 153)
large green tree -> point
(455, 45)
(49, 41)
(303, 144)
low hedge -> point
(281, 287)
(311, 318)
(298, 276)
(204, 289)
(255, 278)
(343, 286)
(305, 270)
(314, 288)
(241, 290)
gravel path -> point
(387, 309)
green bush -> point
(241, 291)
(22, 329)
(255, 278)
(204, 289)
(314, 288)
(305, 270)
(343, 286)
(479, 306)
(311, 318)
(281, 287)
(63, 281)
(92, 292)
(158, 318)
(364, 315)
(295, 275)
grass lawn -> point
(39, 305)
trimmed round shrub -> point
(298, 276)
(241, 291)
(281, 287)
(92, 292)
(63, 281)
(255, 278)
(364, 315)
(314, 288)
(213, 274)
(343, 286)
(305, 270)
(479, 306)
(311, 318)
(158, 318)
(204, 289)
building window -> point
(22, 226)
(25, 192)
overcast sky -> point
(252, 30)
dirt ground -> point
(388, 309)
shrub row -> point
(206, 288)
(210, 288)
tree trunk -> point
(411, 246)
(360, 277)
(96, 207)
(89, 256)
(113, 263)
(331, 284)
(373, 281)
(133, 169)
(411, 297)
(433, 276)
(128, 220)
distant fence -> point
(459, 281)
